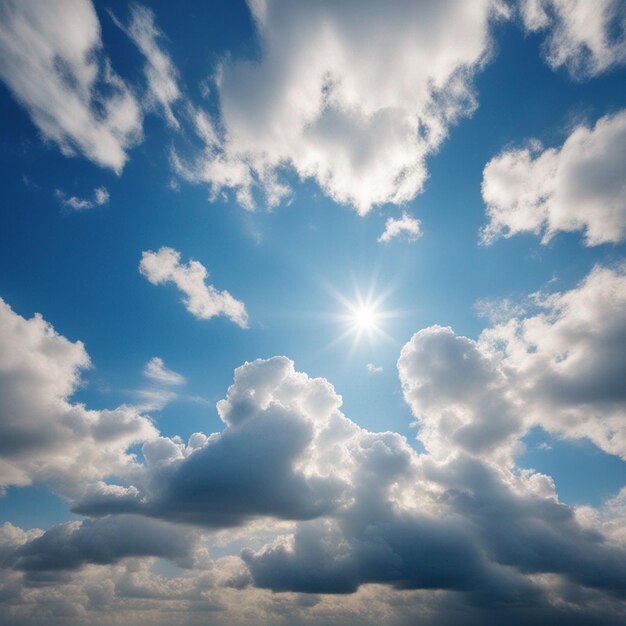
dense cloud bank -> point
(310, 503)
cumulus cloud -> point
(352, 95)
(567, 361)
(458, 393)
(275, 418)
(43, 436)
(374, 369)
(577, 187)
(52, 61)
(560, 368)
(406, 227)
(100, 197)
(369, 509)
(487, 535)
(161, 75)
(588, 38)
(202, 300)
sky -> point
(313, 312)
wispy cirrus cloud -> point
(160, 72)
(52, 60)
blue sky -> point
(319, 139)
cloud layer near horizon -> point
(360, 508)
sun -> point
(364, 317)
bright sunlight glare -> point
(364, 317)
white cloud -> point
(78, 204)
(406, 227)
(459, 395)
(202, 300)
(353, 95)
(100, 197)
(560, 368)
(577, 187)
(156, 371)
(275, 419)
(163, 90)
(588, 38)
(51, 59)
(498, 309)
(43, 436)
(374, 369)
(371, 510)
(566, 363)
(156, 396)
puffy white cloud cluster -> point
(202, 300)
(354, 95)
(561, 368)
(44, 437)
(375, 512)
(51, 59)
(459, 394)
(588, 38)
(577, 187)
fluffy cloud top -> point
(51, 59)
(579, 186)
(405, 226)
(275, 420)
(202, 300)
(43, 436)
(353, 94)
(586, 37)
